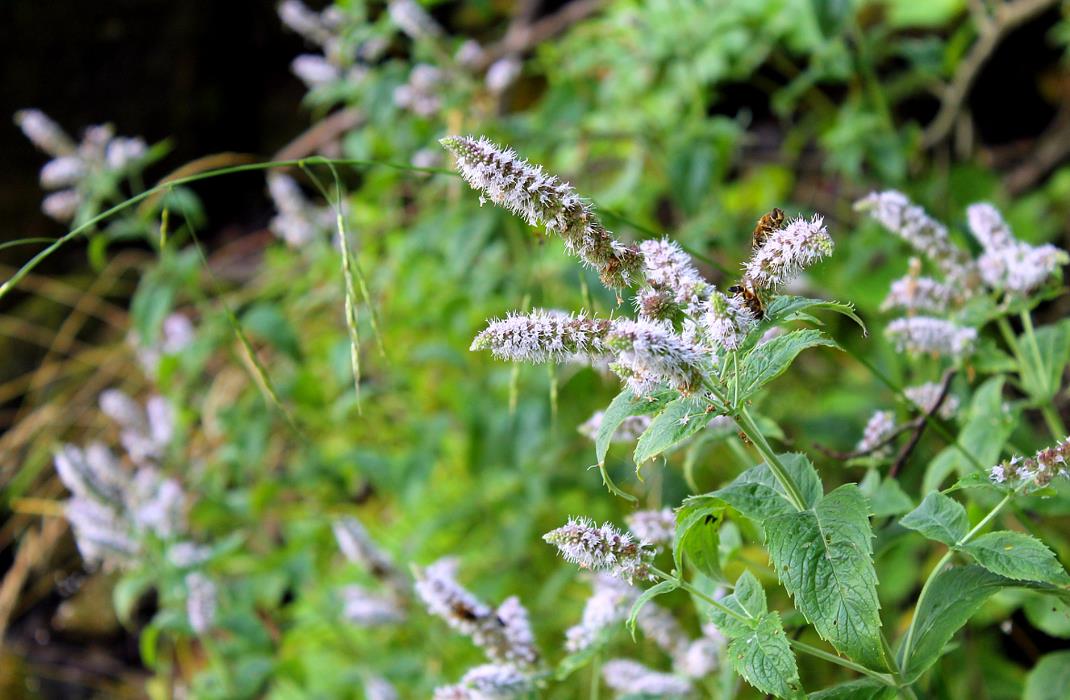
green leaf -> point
(267, 321)
(697, 537)
(885, 497)
(862, 689)
(575, 661)
(625, 404)
(767, 362)
(953, 596)
(786, 308)
(1018, 556)
(831, 15)
(128, 591)
(1049, 614)
(1050, 678)
(678, 421)
(939, 518)
(1044, 363)
(988, 426)
(823, 556)
(757, 494)
(645, 597)
(764, 658)
(747, 599)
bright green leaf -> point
(645, 597)
(764, 658)
(625, 404)
(1018, 556)
(757, 494)
(768, 361)
(939, 518)
(1050, 678)
(678, 421)
(862, 689)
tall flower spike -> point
(44, 133)
(881, 424)
(650, 355)
(602, 548)
(610, 601)
(358, 547)
(488, 682)
(895, 212)
(728, 320)
(201, 602)
(788, 251)
(543, 336)
(654, 527)
(914, 293)
(924, 334)
(525, 189)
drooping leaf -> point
(697, 538)
(758, 495)
(1049, 614)
(823, 556)
(767, 362)
(645, 597)
(786, 308)
(676, 422)
(747, 599)
(764, 659)
(1018, 556)
(625, 404)
(939, 518)
(954, 595)
(1050, 678)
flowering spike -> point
(543, 336)
(44, 133)
(362, 607)
(672, 281)
(654, 527)
(1007, 263)
(787, 251)
(881, 425)
(602, 548)
(650, 355)
(728, 320)
(629, 677)
(925, 396)
(628, 431)
(201, 602)
(610, 601)
(525, 189)
(923, 334)
(1039, 469)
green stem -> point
(909, 640)
(750, 429)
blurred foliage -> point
(687, 118)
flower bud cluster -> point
(1008, 264)
(602, 549)
(76, 168)
(1036, 471)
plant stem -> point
(909, 640)
(750, 429)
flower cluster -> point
(328, 31)
(112, 512)
(672, 282)
(420, 94)
(879, 427)
(602, 548)
(898, 214)
(201, 602)
(543, 336)
(541, 199)
(178, 334)
(728, 320)
(1035, 471)
(633, 678)
(650, 355)
(488, 682)
(76, 171)
(362, 607)
(504, 634)
(1008, 264)
(298, 221)
(787, 251)
(653, 527)
(925, 396)
(358, 547)
(915, 293)
(925, 334)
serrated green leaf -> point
(767, 362)
(786, 308)
(764, 659)
(885, 497)
(679, 420)
(645, 597)
(1018, 556)
(989, 425)
(747, 599)
(823, 556)
(862, 689)
(939, 518)
(757, 494)
(697, 538)
(625, 404)
(953, 596)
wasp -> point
(745, 291)
(766, 225)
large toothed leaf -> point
(823, 556)
(697, 537)
(747, 600)
(767, 362)
(939, 518)
(624, 405)
(764, 659)
(954, 595)
(678, 421)
(757, 494)
(1018, 556)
